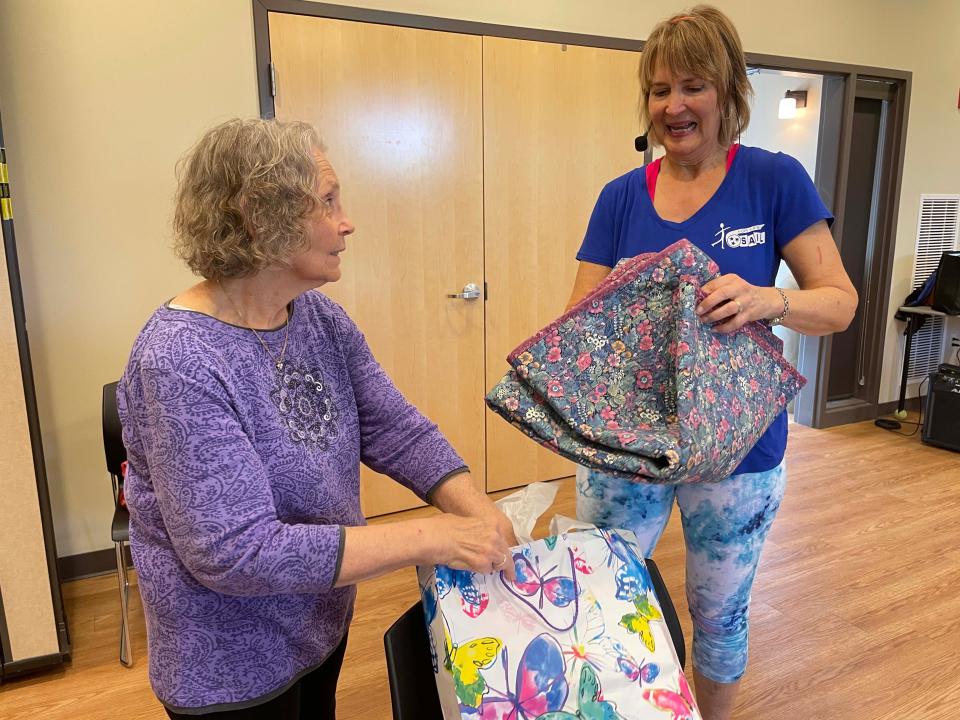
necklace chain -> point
(277, 360)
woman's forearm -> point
(373, 550)
(479, 543)
(827, 299)
(460, 495)
(589, 275)
(818, 311)
(379, 549)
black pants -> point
(313, 697)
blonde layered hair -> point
(244, 192)
(704, 43)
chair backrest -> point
(115, 454)
(669, 611)
(112, 432)
(413, 688)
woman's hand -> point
(505, 527)
(478, 535)
(731, 302)
(480, 544)
(824, 303)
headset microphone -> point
(640, 143)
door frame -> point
(864, 403)
(811, 406)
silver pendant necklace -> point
(277, 360)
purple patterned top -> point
(241, 480)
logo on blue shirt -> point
(740, 237)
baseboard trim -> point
(853, 410)
(84, 565)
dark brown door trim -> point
(812, 407)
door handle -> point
(471, 291)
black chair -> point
(413, 689)
(669, 612)
(120, 527)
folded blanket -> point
(630, 381)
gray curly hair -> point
(243, 194)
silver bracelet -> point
(773, 322)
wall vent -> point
(937, 232)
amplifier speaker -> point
(941, 422)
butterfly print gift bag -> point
(630, 381)
(578, 635)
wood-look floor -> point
(854, 610)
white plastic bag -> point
(525, 507)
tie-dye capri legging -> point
(724, 526)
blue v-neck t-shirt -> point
(765, 200)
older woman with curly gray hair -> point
(248, 403)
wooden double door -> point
(463, 159)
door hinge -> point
(484, 289)
(273, 80)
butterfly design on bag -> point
(639, 622)
(519, 618)
(464, 663)
(680, 704)
(632, 577)
(472, 601)
(644, 672)
(590, 646)
(590, 702)
(581, 564)
(579, 561)
(540, 687)
(532, 584)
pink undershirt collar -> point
(653, 169)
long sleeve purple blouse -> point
(241, 480)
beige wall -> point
(100, 97)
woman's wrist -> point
(427, 540)
(458, 494)
(778, 307)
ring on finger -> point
(500, 565)
(739, 306)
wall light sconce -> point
(792, 100)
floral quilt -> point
(631, 382)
